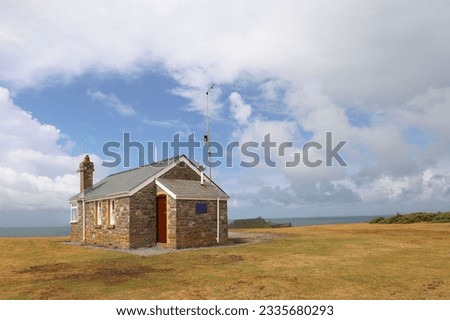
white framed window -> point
(98, 214)
(73, 212)
(112, 212)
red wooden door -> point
(161, 221)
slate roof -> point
(125, 181)
(191, 189)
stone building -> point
(169, 203)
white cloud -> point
(384, 169)
(376, 51)
(196, 95)
(315, 60)
(21, 131)
(273, 89)
(241, 111)
(168, 124)
(427, 110)
(112, 102)
(36, 174)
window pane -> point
(99, 213)
(73, 213)
(111, 211)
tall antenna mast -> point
(207, 136)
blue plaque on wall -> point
(201, 208)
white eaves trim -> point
(202, 199)
(174, 196)
(165, 189)
(107, 197)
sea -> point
(25, 232)
(311, 221)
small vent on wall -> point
(182, 165)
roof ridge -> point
(153, 164)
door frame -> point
(159, 198)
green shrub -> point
(440, 217)
(377, 220)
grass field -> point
(358, 261)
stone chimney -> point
(86, 174)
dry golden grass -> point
(358, 261)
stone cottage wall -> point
(181, 171)
(171, 222)
(143, 217)
(197, 230)
(117, 235)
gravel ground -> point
(234, 238)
